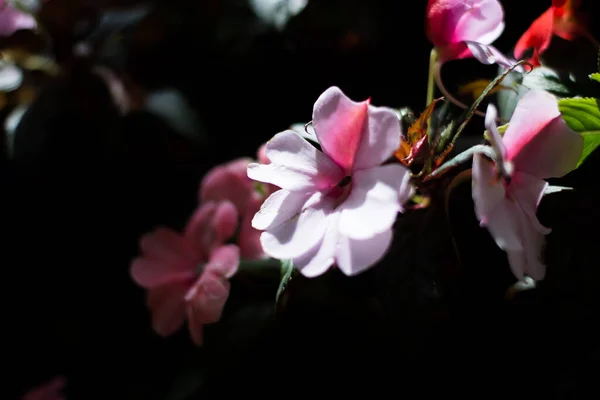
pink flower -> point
(536, 145)
(48, 391)
(12, 20)
(338, 205)
(187, 275)
(466, 28)
(230, 182)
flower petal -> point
(406, 192)
(12, 20)
(295, 165)
(492, 208)
(373, 203)
(228, 182)
(537, 36)
(355, 256)
(299, 234)
(538, 141)
(528, 191)
(11, 77)
(487, 54)
(339, 123)
(210, 295)
(206, 306)
(452, 21)
(224, 261)
(164, 244)
(149, 273)
(527, 261)
(319, 259)
(166, 303)
(380, 139)
(278, 208)
(211, 225)
(248, 237)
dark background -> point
(85, 182)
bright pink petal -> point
(538, 141)
(167, 305)
(355, 256)
(12, 20)
(379, 140)
(452, 21)
(339, 123)
(492, 208)
(319, 259)
(211, 225)
(228, 182)
(373, 203)
(224, 261)
(295, 165)
(487, 54)
(279, 207)
(299, 234)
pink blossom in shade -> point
(12, 20)
(51, 390)
(187, 275)
(335, 206)
(536, 145)
(230, 182)
(466, 28)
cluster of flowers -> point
(327, 194)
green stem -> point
(433, 56)
(257, 265)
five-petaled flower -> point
(187, 275)
(338, 205)
(536, 145)
(466, 28)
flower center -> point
(341, 191)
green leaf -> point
(583, 116)
(547, 79)
(595, 77)
(287, 271)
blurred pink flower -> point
(466, 28)
(536, 145)
(230, 182)
(12, 20)
(187, 275)
(51, 390)
(338, 205)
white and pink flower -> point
(537, 145)
(338, 205)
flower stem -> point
(433, 56)
(461, 158)
(259, 265)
